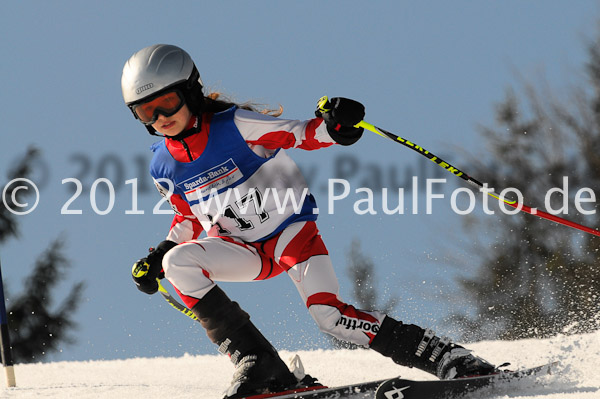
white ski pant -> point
(194, 266)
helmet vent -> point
(144, 88)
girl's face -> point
(174, 124)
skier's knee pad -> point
(184, 272)
(171, 261)
(344, 327)
(326, 317)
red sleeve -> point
(185, 225)
(273, 133)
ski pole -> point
(470, 180)
(174, 303)
(140, 269)
(324, 103)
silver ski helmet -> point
(157, 69)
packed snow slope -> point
(207, 376)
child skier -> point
(224, 171)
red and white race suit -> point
(231, 180)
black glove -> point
(341, 115)
(146, 270)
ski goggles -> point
(166, 104)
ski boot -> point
(411, 346)
(266, 374)
(458, 362)
(304, 380)
(260, 373)
(259, 369)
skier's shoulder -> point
(247, 116)
(156, 147)
(161, 159)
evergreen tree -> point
(361, 270)
(8, 221)
(537, 278)
(34, 329)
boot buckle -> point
(427, 337)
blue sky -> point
(429, 71)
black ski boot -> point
(412, 346)
(259, 369)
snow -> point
(207, 376)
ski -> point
(398, 388)
(361, 390)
